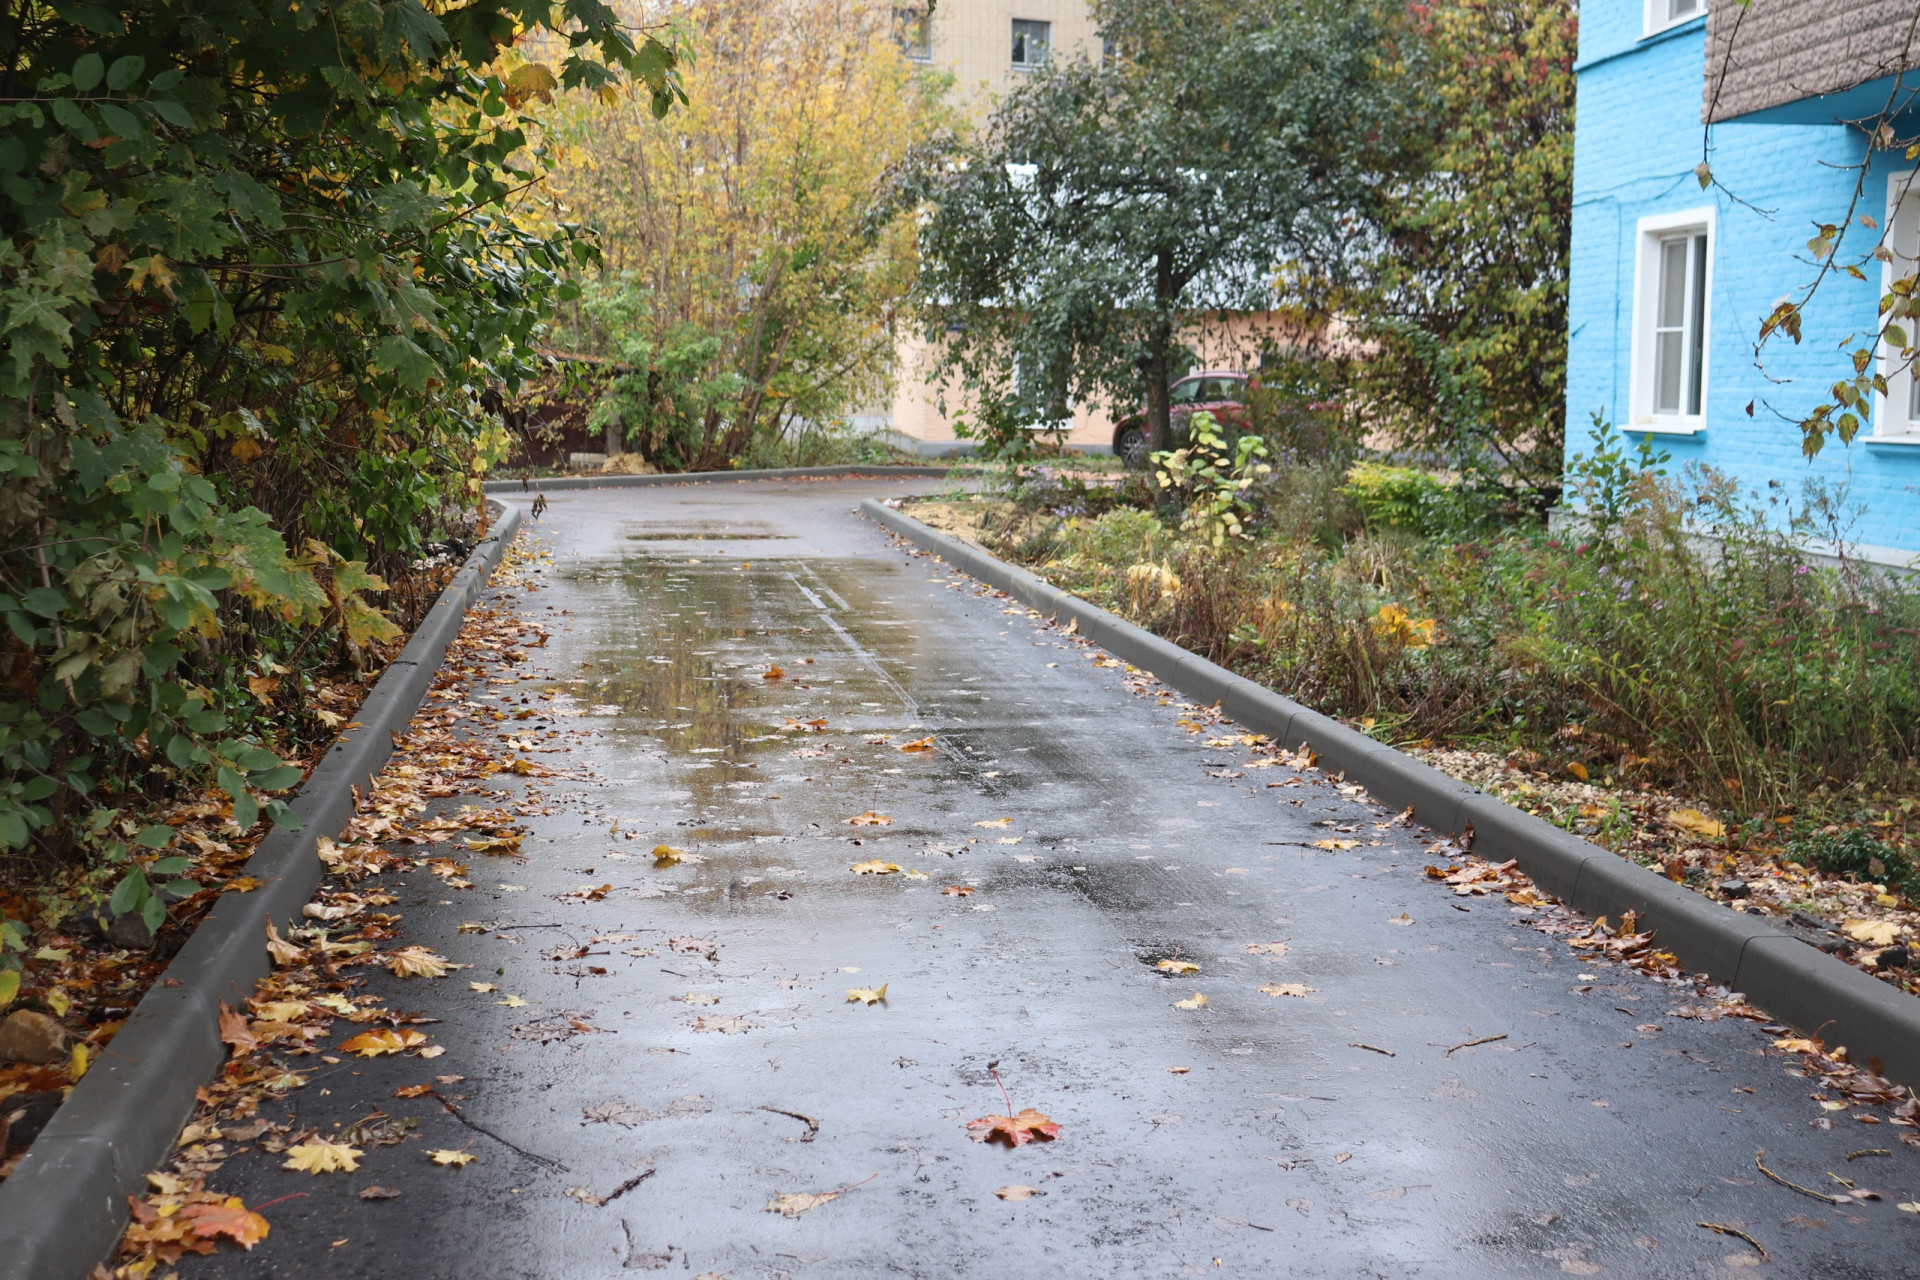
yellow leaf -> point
(1177, 966)
(416, 962)
(242, 884)
(495, 844)
(59, 1002)
(1277, 989)
(482, 986)
(1336, 844)
(995, 822)
(867, 995)
(262, 687)
(1194, 1001)
(458, 1159)
(317, 1155)
(870, 819)
(1696, 823)
(1267, 948)
(875, 867)
(1875, 933)
(282, 952)
(1578, 770)
(530, 81)
(371, 1044)
(282, 1010)
(917, 745)
(512, 1002)
(1797, 1046)
(77, 1064)
(1009, 839)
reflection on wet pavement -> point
(1041, 884)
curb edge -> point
(64, 1207)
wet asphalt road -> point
(1582, 1144)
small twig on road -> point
(1805, 1191)
(629, 1185)
(1468, 1044)
(1355, 1044)
(461, 1116)
(813, 1126)
(1726, 1230)
(1870, 1151)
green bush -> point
(1857, 856)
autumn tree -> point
(749, 278)
(1114, 205)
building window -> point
(1662, 14)
(1032, 41)
(913, 32)
(1674, 286)
(1899, 413)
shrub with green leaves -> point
(1856, 855)
(259, 272)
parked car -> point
(1221, 392)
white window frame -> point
(918, 17)
(1896, 415)
(1047, 51)
(1659, 17)
(1650, 234)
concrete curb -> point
(1795, 982)
(65, 1205)
(702, 477)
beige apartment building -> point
(988, 45)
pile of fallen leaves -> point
(452, 747)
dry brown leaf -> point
(958, 891)
(919, 744)
(235, 1032)
(280, 951)
(229, 1217)
(869, 819)
(413, 1091)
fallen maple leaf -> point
(229, 1217)
(1278, 989)
(242, 884)
(958, 890)
(413, 1091)
(371, 1044)
(495, 844)
(773, 673)
(280, 951)
(458, 1159)
(869, 819)
(725, 1024)
(874, 867)
(1194, 1001)
(1016, 1130)
(1336, 844)
(1875, 933)
(379, 1193)
(416, 962)
(482, 986)
(1697, 823)
(919, 744)
(1267, 948)
(1018, 1192)
(867, 995)
(995, 823)
(665, 855)
(235, 1031)
(1177, 966)
(317, 1155)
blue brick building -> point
(1670, 283)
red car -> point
(1221, 392)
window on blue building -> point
(1679, 333)
(1662, 14)
(1899, 414)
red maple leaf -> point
(1016, 1130)
(235, 1031)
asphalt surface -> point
(1592, 1140)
